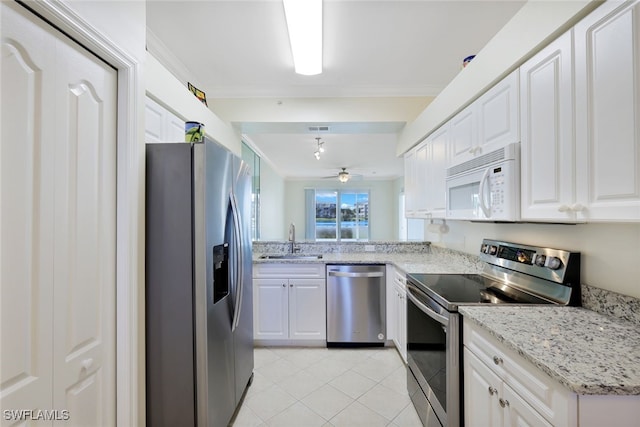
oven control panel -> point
(552, 264)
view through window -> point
(349, 222)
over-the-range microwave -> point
(486, 188)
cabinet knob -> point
(492, 390)
(563, 208)
(86, 364)
(472, 150)
(284, 285)
(291, 285)
(577, 207)
(503, 402)
(497, 360)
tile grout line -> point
(284, 355)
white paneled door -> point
(58, 228)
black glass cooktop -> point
(452, 290)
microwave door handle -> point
(486, 209)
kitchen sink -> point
(290, 256)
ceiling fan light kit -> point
(343, 176)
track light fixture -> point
(319, 149)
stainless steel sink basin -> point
(290, 256)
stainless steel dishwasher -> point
(356, 305)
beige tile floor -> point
(307, 387)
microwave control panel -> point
(497, 184)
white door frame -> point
(130, 375)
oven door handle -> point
(424, 308)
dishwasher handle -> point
(352, 274)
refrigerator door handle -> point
(239, 263)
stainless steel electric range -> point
(512, 274)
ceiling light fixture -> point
(319, 149)
(304, 22)
(343, 176)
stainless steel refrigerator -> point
(199, 314)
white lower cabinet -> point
(400, 293)
(289, 302)
(491, 402)
(397, 309)
(501, 388)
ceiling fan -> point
(344, 176)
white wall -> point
(164, 88)
(534, 26)
(382, 206)
(272, 204)
(610, 253)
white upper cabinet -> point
(437, 160)
(161, 125)
(581, 150)
(410, 184)
(463, 135)
(489, 123)
(548, 148)
(425, 173)
(498, 118)
(607, 82)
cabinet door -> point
(482, 391)
(161, 125)
(518, 413)
(498, 118)
(153, 121)
(547, 149)
(174, 127)
(391, 295)
(271, 309)
(307, 309)
(463, 136)
(608, 113)
(402, 321)
(421, 166)
(437, 169)
(410, 184)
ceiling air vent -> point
(318, 128)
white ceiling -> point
(372, 48)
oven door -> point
(433, 349)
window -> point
(337, 215)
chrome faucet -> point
(292, 237)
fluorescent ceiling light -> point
(304, 22)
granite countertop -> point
(587, 352)
(447, 262)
